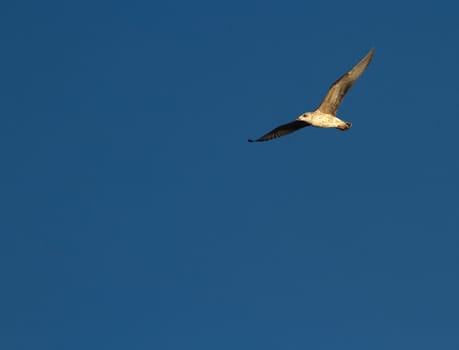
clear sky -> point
(135, 214)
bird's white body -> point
(323, 120)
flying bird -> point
(325, 115)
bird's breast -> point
(321, 120)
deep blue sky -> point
(135, 215)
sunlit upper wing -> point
(282, 130)
(339, 88)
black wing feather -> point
(282, 130)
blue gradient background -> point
(135, 215)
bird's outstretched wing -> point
(339, 88)
(282, 130)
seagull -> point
(325, 115)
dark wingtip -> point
(251, 140)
